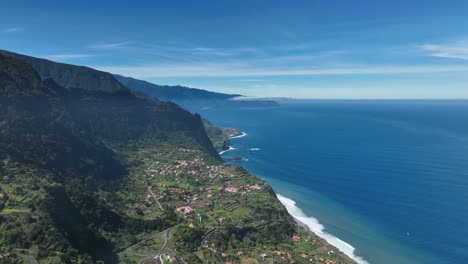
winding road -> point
(157, 257)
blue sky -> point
(301, 49)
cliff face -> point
(106, 109)
(219, 139)
(71, 76)
(192, 98)
(171, 93)
(60, 148)
(37, 128)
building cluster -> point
(195, 168)
(149, 200)
(231, 132)
(184, 150)
(6, 257)
(185, 210)
(327, 261)
(296, 238)
(231, 189)
(283, 255)
(188, 201)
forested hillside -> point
(103, 175)
(59, 146)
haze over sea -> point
(387, 178)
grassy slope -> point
(251, 220)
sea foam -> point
(224, 151)
(314, 225)
(243, 134)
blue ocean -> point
(385, 181)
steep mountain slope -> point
(219, 139)
(190, 97)
(60, 149)
(171, 93)
(110, 111)
(36, 127)
(71, 76)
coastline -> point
(243, 134)
(313, 225)
(310, 223)
(224, 151)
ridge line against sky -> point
(302, 49)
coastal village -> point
(219, 213)
(209, 197)
(232, 132)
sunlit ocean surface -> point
(389, 178)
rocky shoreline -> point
(220, 137)
(232, 132)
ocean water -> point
(385, 181)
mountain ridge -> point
(73, 76)
(70, 76)
(192, 98)
(60, 148)
(171, 92)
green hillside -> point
(95, 175)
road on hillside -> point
(157, 257)
(211, 231)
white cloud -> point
(259, 64)
(376, 91)
(211, 51)
(110, 46)
(249, 80)
(246, 70)
(457, 50)
(13, 30)
(203, 49)
(226, 52)
(67, 56)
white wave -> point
(314, 225)
(224, 151)
(243, 134)
(254, 149)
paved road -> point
(156, 199)
(157, 257)
(167, 241)
(211, 231)
(151, 261)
